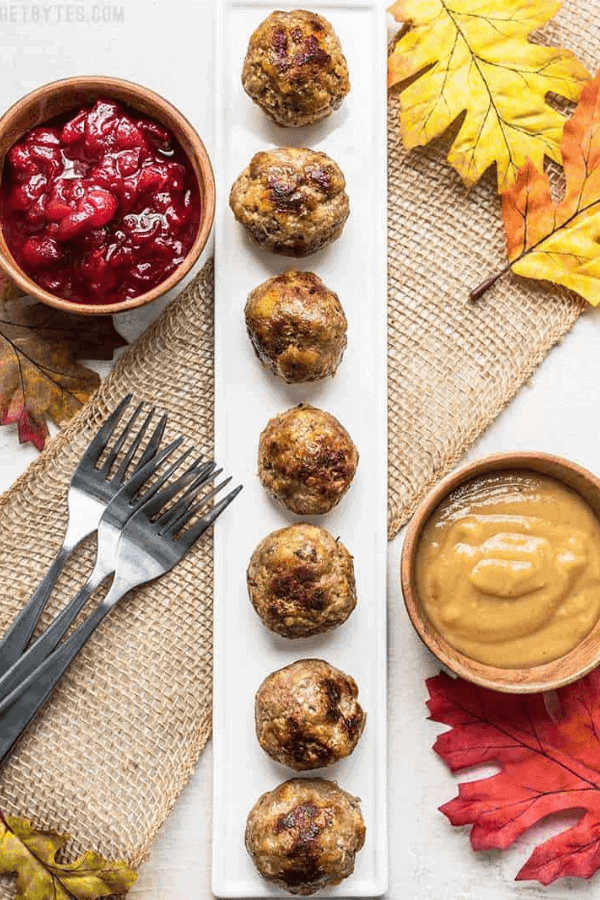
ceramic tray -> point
(247, 396)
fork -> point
(90, 490)
(123, 505)
(152, 541)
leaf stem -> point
(485, 285)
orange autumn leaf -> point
(473, 57)
(40, 376)
(559, 242)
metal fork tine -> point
(188, 538)
(201, 473)
(136, 482)
(166, 475)
(105, 468)
(126, 462)
(194, 468)
(206, 473)
(153, 444)
(188, 512)
(195, 465)
(206, 498)
(99, 442)
(153, 506)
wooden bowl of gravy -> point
(500, 572)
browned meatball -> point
(306, 460)
(301, 581)
(297, 326)
(305, 834)
(295, 69)
(291, 200)
(307, 715)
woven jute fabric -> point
(455, 364)
(119, 738)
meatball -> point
(307, 715)
(295, 69)
(306, 460)
(291, 200)
(297, 326)
(304, 835)
(301, 581)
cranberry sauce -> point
(99, 206)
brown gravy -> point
(508, 569)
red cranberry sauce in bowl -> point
(99, 205)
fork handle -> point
(37, 652)
(19, 708)
(19, 633)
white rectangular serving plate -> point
(247, 396)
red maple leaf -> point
(548, 765)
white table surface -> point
(167, 45)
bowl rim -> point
(201, 165)
(522, 680)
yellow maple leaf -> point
(560, 242)
(30, 853)
(473, 57)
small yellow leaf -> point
(473, 57)
(30, 854)
(559, 242)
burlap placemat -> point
(119, 738)
(453, 364)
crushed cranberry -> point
(99, 206)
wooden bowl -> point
(58, 97)
(573, 665)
